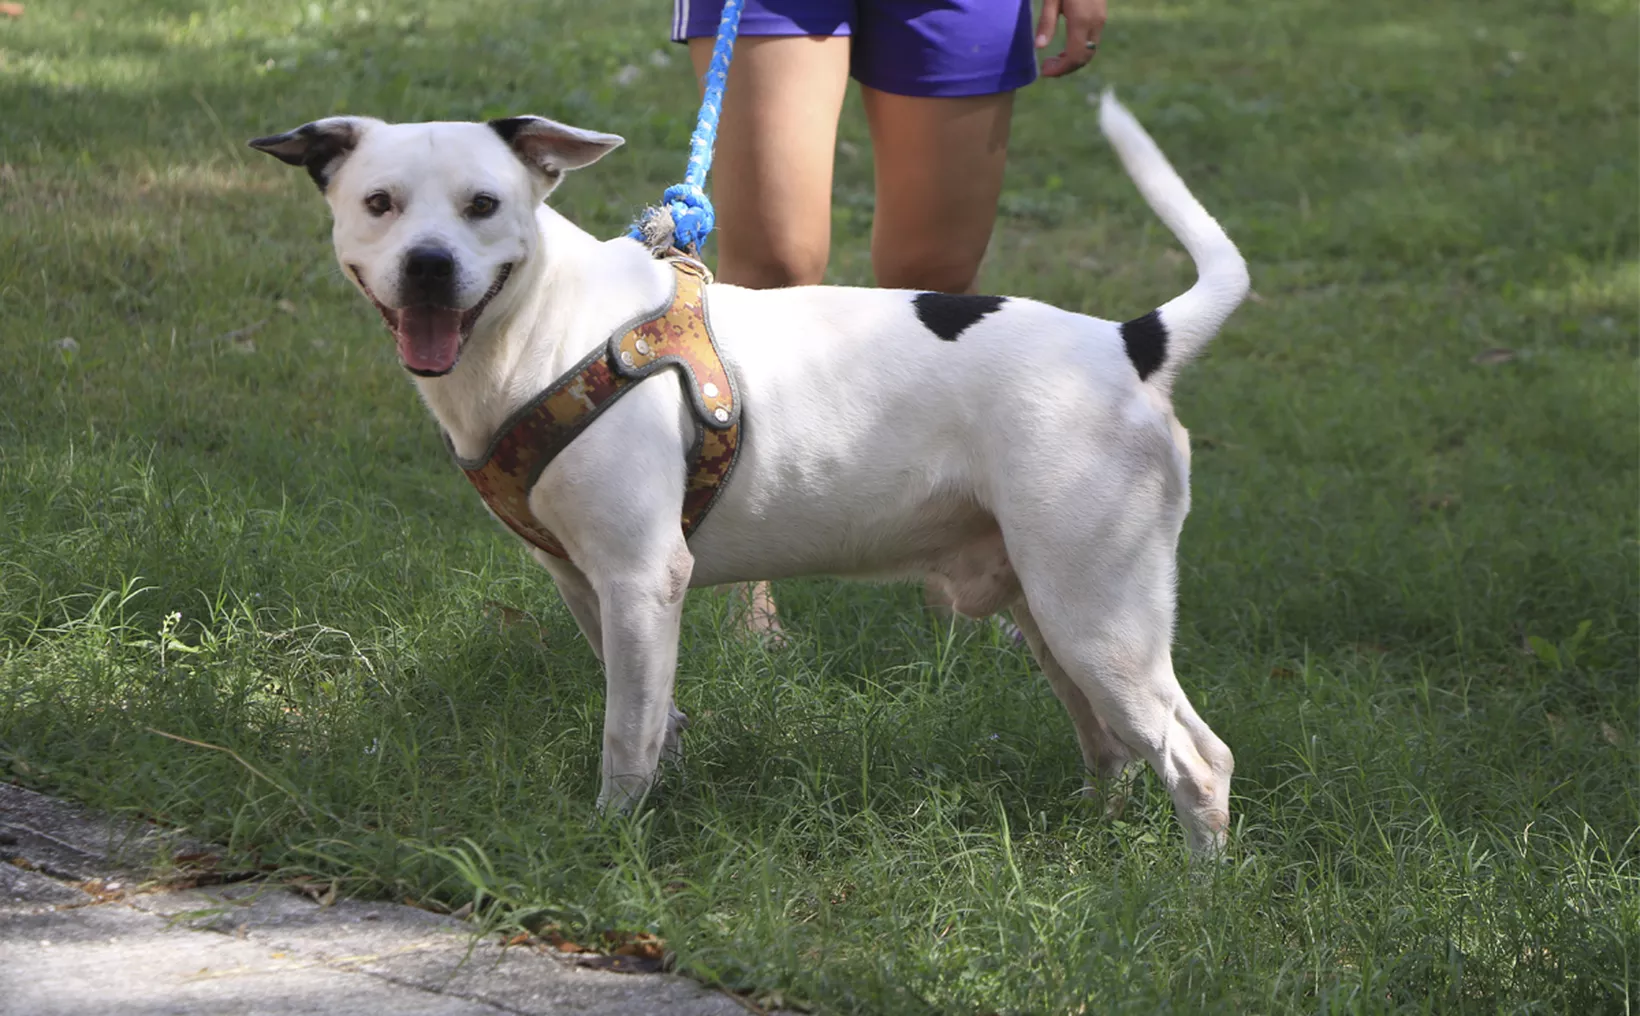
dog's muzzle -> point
(430, 333)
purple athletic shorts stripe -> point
(934, 48)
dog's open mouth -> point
(430, 338)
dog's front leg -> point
(640, 613)
(579, 597)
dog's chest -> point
(677, 337)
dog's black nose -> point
(429, 277)
(429, 264)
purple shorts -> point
(933, 48)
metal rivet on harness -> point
(722, 416)
(626, 358)
(642, 347)
(709, 390)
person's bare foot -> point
(761, 619)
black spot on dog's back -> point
(948, 315)
(1146, 342)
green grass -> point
(1408, 592)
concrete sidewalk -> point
(85, 929)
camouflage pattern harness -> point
(676, 336)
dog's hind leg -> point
(1123, 664)
(1106, 617)
(1109, 763)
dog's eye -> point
(482, 206)
(378, 203)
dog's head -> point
(431, 219)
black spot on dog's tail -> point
(949, 315)
(1146, 342)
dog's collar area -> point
(678, 336)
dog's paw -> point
(677, 721)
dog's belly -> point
(950, 541)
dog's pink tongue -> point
(429, 338)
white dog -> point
(1021, 456)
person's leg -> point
(939, 165)
(771, 181)
(771, 174)
(938, 79)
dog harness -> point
(676, 336)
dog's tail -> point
(1168, 337)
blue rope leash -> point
(692, 216)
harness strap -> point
(678, 336)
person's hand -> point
(1084, 20)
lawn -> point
(1408, 588)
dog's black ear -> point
(319, 147)
(552, 147)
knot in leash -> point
(685, 218)
(692, 215)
